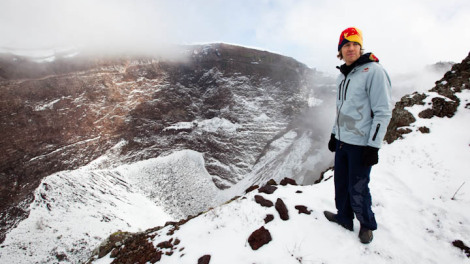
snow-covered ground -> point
(416, 198)
(73, 211)
(415, 188)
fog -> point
(117, 26)
(405, 35)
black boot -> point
(332, 218)
(365, 235)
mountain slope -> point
(419, 198)
(223, 101)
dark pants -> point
(352, 194)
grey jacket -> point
(363, 104)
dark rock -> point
(267, 189)
(61, 257)
(303, 209)
(460, 244)
(251, 188)
(262, 201)
(404, 131)
(401, 117)
(204, 259)
(286, 181)
(136, 249)
(440, 108)
(444, 108)
(114, 253)
(165, 244)
(426, 113)
(268, 218)
(271, 182)
(298, 191)
(282, 209)
(454, 81)
(259, 238)
(424, 130)
(115, 238)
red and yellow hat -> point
(351, 34)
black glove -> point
(370, 156)
(332, 143)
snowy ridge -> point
(73, 211)
(415, 198)
(178, 182)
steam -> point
(420, 80)
(107, 26)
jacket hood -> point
(365, 58)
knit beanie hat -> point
(351, 34)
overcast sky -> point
(404, 34)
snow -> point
(42, 55)
(312, 102)
(178, 182)
(415, 189)
(214, 124)
(414, 198)
(73, 211)
(208, 125)
(181, 126)
(262, 118)
(48, 105)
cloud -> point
(403, 34)
(105, 25)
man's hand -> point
(332, 143)
(370, 156)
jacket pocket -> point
(346, 89)
(340, 90)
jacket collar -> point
(365, 58)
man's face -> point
(351, 52)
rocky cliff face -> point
(444, 104)
(224, 101)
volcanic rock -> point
(259, 238)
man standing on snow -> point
(363, 111)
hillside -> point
(419, 189)
(226, 102)
(87, 138)
(130, 147)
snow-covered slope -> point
(63, 114)
(74, 211)
(419, 191)
(416, 198)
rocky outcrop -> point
(443, 104)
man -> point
(363, 111)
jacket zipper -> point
(376, 132)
